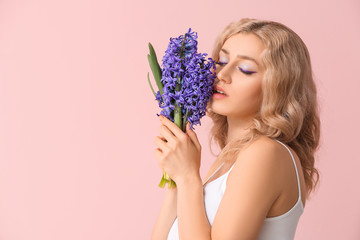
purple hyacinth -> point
(187, 78)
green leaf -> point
(155, 68)
(151, 85)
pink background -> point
(78, 119)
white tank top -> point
(281, 227)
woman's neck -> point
(238, 127)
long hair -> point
(289, 111)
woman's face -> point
(239, 76)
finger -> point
(160, 143)
(193, 136)
(172, 126)
(162, 138)
(157, 153)
(158, 156)
(167, 134)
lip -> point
(217, 87)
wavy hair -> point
(289, 111)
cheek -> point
(248, 97)
(245, 99)
(248, 92)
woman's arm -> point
(179, 154)
(192, 218)
(166, 216)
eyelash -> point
(243, 71)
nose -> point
(224, 75)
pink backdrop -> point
(77, 118)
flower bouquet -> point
(185, 84)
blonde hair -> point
(289, 110)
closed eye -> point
(242, 70)
(220, 63)
(246, 72)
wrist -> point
(170, 192)
(191, 180)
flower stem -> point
(185, 121)
(177, 110)
(166, 179)
(163, 181)
(178, 121)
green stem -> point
(177, 110)
(178, 121)
(185, 121)
(163, 181)
(166, 179)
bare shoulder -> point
(266, 158)
(265, 163)
(261, 150)
(252, 187)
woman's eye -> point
(242, 70)
(246, 72)
(220, 63)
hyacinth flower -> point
(185, 83)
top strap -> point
(297, 174)
(213, 173)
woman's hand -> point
(178, 153)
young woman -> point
(266, 123)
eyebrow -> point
(241, 56)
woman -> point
(266, 123)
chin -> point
(218, 109)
